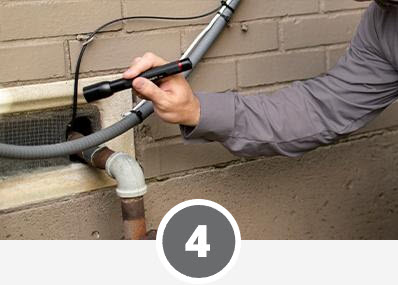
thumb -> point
(147, 89)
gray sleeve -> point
(308, 114)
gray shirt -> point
(315, 112)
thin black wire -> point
(91, 36)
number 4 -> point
(201, 247)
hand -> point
(173, 100)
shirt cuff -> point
(217, 118)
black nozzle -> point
(97, 91)
(106, 89)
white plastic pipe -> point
(128, 175)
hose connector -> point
(128, 174)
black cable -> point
(91, 37)
(75, 89)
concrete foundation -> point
(345, 191)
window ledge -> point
(34, 188)
(45, 95)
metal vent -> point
(37, 128)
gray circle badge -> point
(198, 240)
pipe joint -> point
(128, 174)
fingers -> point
(148, 90)
(135, 60)
(148, 61)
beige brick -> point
(320, 30)
(261, 36)
(29, 61)
(173, 156)
(214, 77)
(118, 52)
(157, 129)
(21, 20)
(334, 54)
(169, 8)
(269, 69)
(333, 5)
(257, 9)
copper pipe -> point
(133, 212)
(100, 157)
(96, 156)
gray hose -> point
(203, 46)
(75, 146)
(132, 120)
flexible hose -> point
(71, 147)
(130, 121)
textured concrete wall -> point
(347, 190)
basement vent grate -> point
(37, 128)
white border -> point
(175, 210)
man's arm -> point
(293, 120)
(307, 114)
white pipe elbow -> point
(128, 174)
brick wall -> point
(39, 43)
(38, 38)
(268, 44)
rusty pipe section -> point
(95, 156)
(131, 185)
(133, 212)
